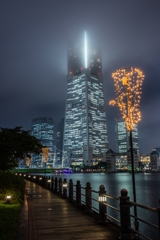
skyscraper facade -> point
(43, 129)
(85, 127)
(122, 137)
(59, 142)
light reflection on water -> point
(147, 190)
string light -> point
(128, 90)
(45, 153)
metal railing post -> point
(43, 181)
(52, 183)
(125, 215)
(65, 188)
(55, 185)
(48, 183)
(78, 193)
(102, 207)
(159, 217)
(70, 190)
(88, 198)
(40, 180)
(60, 186)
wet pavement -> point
(46, 215)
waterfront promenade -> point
(46, 215)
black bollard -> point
(88, 198)
(55, 185)
(65, 186)
(159, 217)
(60, 186)
(70, 190)
(78, 193)
(125, 215)
(48, 183)
(102, 207)
(52, 183)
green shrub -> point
(13, 185)
(8, 220)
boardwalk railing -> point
(109, 209)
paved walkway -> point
(47, 216)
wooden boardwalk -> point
(52, 217)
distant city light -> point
(85, 50)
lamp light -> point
(65, 185)
(8, 198)
(102, 198)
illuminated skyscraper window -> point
(85, 127)
(43, 129)
(122, 137)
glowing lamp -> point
(102, 198)
(65, 185)
(8, 199)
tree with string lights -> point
(128, 89)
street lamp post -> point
(128, 86)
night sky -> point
(33, 57)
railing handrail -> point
(143, 206)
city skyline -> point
(34, 42)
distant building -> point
(59, 142)
(144, 161)
(85, 127)
(110, 160)
(122, 137)
(120, 161)
(135, 157)
(43, 129)
(155, 159)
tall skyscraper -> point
(59, 142)
(122, 137)
(85, 127)
(43, 129)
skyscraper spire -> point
(85, 49)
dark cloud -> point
(33, 63)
